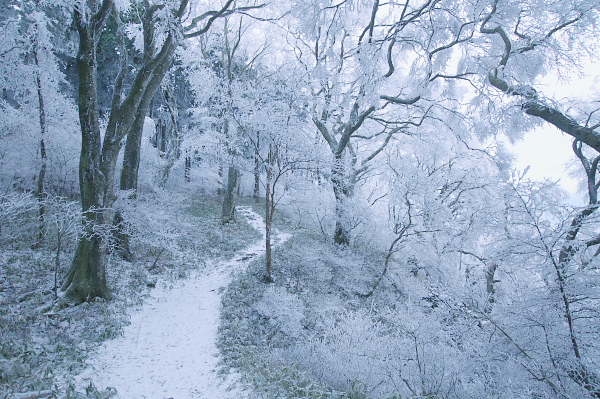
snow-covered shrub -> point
(413, 338)
(18, 219)
(20, 222)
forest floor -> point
(169, 349)
(184, 254)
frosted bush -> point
(18, 218)
(283, 309)
(392, 354)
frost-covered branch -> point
(192, 29)
(532, 104)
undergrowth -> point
(42, 346)
(260, 322)
(315, 333)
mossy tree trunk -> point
(87, 276)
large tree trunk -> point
(131, 156)
(87, 276)
(98, 160)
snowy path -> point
(169, 349)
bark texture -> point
(228, 208)
(87, 277)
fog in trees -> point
(376, 135)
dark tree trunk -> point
(221, 182)
(97, 166)
(131, 159)
(187, 169)
(130, 173)
(341, 235)
(131, 156)
(41, 191)
(87, 277)
(228, 209)
(129, 181)
(98, 159)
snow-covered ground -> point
(169, 349)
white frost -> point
(169, 349)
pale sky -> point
(547, 150)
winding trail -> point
(169, 350)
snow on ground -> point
(169, 349)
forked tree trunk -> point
(87, 277)
(131, 157)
